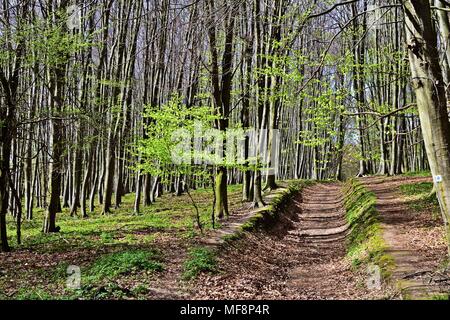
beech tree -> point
(10, 73)
(429, 87)
(333, 78)
(221, 83)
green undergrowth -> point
(109, 275)
(200, 259)
(425, 297)
(417, 174)
(115, 251)
(99, 279)
(366, 245)
(113, 265)
(34, 294)
(122, 226)
(420, 197)
(440, 297)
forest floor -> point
(161, 255)
(306, 258)
(303, 258)
(414, 233)
(121, 255)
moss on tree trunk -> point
(221, 208)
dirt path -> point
(304, 259)
(319, 236)
(304, 255)
(413, 238)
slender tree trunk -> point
(147, 190)
(109, 173)
(87, 181)
(57, 75)
(358, 85)
(137, 199)
(77, 170)
(5, 153)
(222, 95)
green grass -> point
(252, 222)
(420, 197)
(34, 294)
(440, 297)
(200, 260)
(424, 173)
(122, 226)
(113, 265)
(420, 188)
(365, 243)
(98, 279)
(120, 243)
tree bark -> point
(428, 85)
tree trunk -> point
(109, 174)
(87, 181)
(137, 199)
(147, 190)
(221, 208)
(55, 178)
(77, 176)
(57, 76)
(431, 99)
(5, 153)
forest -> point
(224, 149)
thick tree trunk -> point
(444, 29)
(276, 82)
(257, 190)
(431, 99)
(245, 118)
(221, 91)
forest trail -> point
(302, 258)
(305, 256)
(320, 238)
(407, 235)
